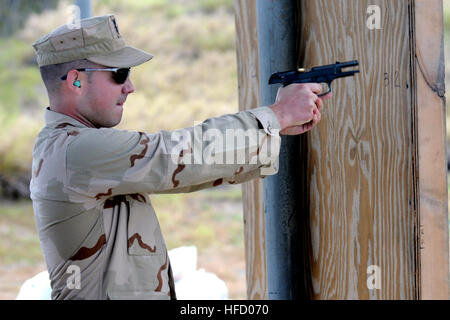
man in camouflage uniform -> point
(90, 183)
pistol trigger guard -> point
(324, 93)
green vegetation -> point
(14, 13)
(170, 8)
(20, 243)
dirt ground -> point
(12, 277)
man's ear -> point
(73, 81)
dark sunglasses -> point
(119, 75)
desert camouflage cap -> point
(96, 39)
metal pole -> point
(85, 8)
(277, 52)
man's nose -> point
(128, 87)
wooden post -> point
(432, 172)
(376, 184)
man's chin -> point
(117, 116)
(115, 123)
(111, 123)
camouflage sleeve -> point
(227, 149)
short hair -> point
(51, 74)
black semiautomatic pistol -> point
(322, 74)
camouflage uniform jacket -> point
(98, 230)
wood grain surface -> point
(429, 73)
(253, 192)
(362, 192)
